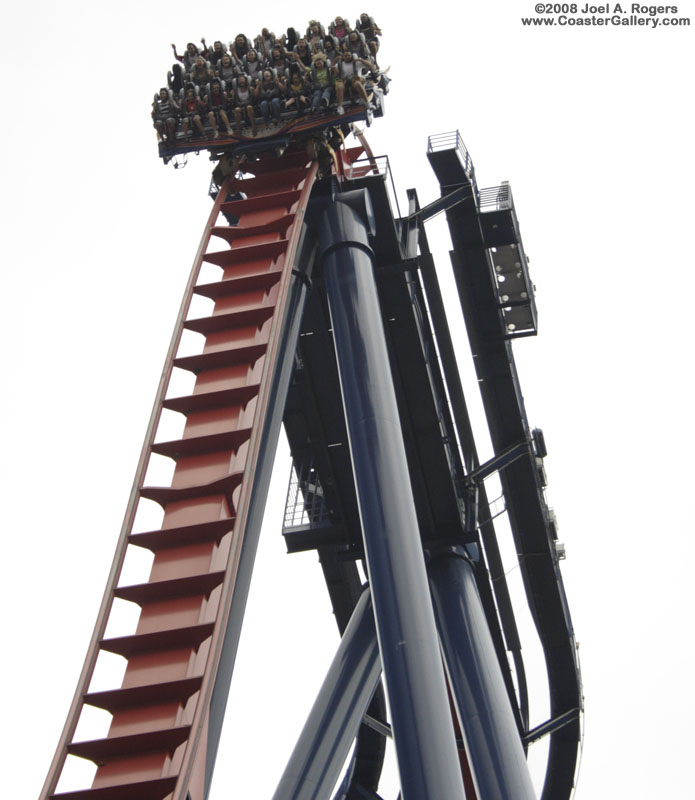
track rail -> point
(159, 741)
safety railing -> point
(496, 198)
(305, 504)
(377, 165)
(451, 141)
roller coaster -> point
(328, 317)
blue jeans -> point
(268, 107)
(319, 95)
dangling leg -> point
(225, 120)
(213, 122)
(171, 129)
(340, 96)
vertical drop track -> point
(157, 745)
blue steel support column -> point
(492, 738)
(422, 728)
(330, 730)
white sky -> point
(593, 128)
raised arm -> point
(299, 61)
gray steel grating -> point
(305, 503)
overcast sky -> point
(593, 128)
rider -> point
(244, 99)
(190, 110)
(217, 102)
(349, 70)
(164, 110)
(322, 82)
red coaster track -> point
(156, 746)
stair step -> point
(175, 587)
(221, 358)
(175, 639)
(233, 319)
(152, 694)
(183, 535)
(232, 286)
(198, 445)
(231, 233)
(261, 202)
(282, 178)
(251, 252)
(269, 166)
(156, 789)
(169, 494)
(100, 750)
(206, 401)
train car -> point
(236, 135)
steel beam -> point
(324, 744)
(552, 725)
(494, 747)
(422, 727)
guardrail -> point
(451, 141)
(496, 198)
(305, 504)
(376, 165)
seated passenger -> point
(301, 55)
(339, 28)
(322, 83)
(297, 93)
(189, 56)
(164, 111)
(244, 99)
(217, 103)
(251, 65)
(315, 35)
(356, 44)
(191, 106)
(269, 92)
(226, 71)
(201, 72)
(265, 43)
(239, 47)
(349, 73)
(277, 60)
(214, 55)
(366, 25)
(331, 48)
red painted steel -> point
(155, 746)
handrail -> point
(376, 165)
(451, 141)
(496, 198)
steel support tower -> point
(328, 317)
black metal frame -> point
(444, 476)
